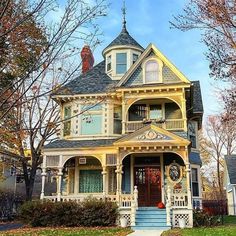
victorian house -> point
(129, 135)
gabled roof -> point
(94, 81)
(147, 51)
(124, 39)
(152, 134)
(231, 167)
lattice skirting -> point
(178, 214)
(125, 214)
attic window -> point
(151, 72)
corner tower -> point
(122, 52)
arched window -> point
(151, 71)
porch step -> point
(150, 218)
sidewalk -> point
(9, 226)
(146, 233)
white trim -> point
(162, 178)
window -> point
(155, 112)
(67, 121)
(109, 63)
(137, 112)
(121, 63)
(195, 187)
(117, 126)
(135, 58)
(91, 120)
(151, 72)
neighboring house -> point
(136, 140)
(12, 178)
(230, 183)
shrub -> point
(202, 218)
(99, 213)
(91, 212)
(9, 204)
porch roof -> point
(194, 158)
(62, 143)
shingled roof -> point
(197, 97)
(124, 38)
(194, 158)
(231, 167)
(93, 81)
(62, 143)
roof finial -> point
(124, 14)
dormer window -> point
(109, 63)
(121, 63)
(152, 71)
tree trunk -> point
(29, 177)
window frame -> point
(195, 182)
(134, 54)
(159, 72)
(89, 113)
(109, 63)
(117, 64)
(67, 121)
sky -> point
(148, 22)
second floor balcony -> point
(164, 113)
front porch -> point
(142, 169)
(142, 180)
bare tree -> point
(217, 140)
(33, 117)
(216, 18)
(64, 37)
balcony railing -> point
(173, 124)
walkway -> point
(146, 233)
(9, 226)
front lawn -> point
(68, 232)
(214, 231)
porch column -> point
(43, 174)
(123, 115)
(59, 181)
(188, 172)
(76, 180)
(104, 174)
(119, 180)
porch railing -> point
(171, 124)
(179, 199)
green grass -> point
(229, 220)
(214, 231)
(67, 232)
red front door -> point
(148, 181)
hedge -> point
(91, 212)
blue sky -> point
(148, 22)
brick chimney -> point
(87, 59)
